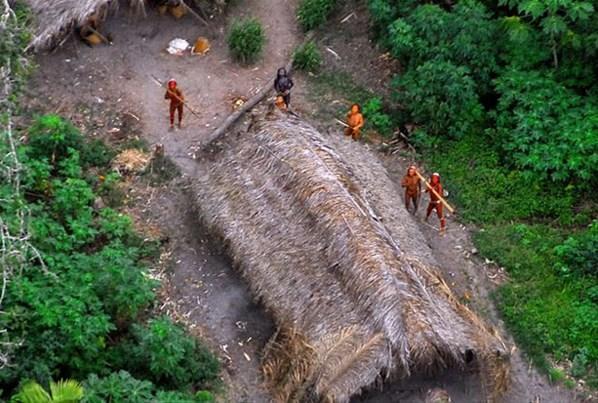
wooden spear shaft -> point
(448, 206)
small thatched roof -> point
(56, 18)
(318, 230)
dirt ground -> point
(108, 92)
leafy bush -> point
(75, 314)
(547, 129)
(578, 253)
(50, 137)
(463, 37)
(372, 111)
(163, 350)
(122, 387)
(307, 57)
(246, 40)
(546, 312)
(313, 13)
(441, 97)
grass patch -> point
(548, 314)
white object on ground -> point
(177, 46)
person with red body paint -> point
(435, 203)
(175, 95)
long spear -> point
(161, 84)
(448, 206)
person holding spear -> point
(177, 100)
(436, 200)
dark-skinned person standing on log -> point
(176, 98)
(355, 122)
(435, 203)
(413, 188)
(283, 85)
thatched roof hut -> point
(56, 18)
(316, 227)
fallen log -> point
(247, 106)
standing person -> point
(435, 202)
(413, 188)
(355, 122)
(283, 85)
(175, 95)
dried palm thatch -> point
(131, 160)
(314, 226)
(57, 18)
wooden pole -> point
(194, 13)
(448, 206)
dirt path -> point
(202, 284)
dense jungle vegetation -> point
(77, 296)
(505, 98)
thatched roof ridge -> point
(56, 18)
(315, 226)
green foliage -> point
(123, 388)
(441, 97)
(547, 129)
(66, 391)
(76, 314)
(463, 37)
(50, 138)
(307, 57)
(578, 255)
(546, 312)
(375, 116)
(246, 40)
(173, 358)
(313, 13)
(555, 20)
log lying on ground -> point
(247, 106)
(315, 226)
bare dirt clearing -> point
(109, 88)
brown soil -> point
(109, 87)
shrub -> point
(246, 40)
(547, 129)
(578, 253)
(117, 387)
(170, 357)
(50, 137)
(463, 37)
(313, 13)
(307, 57)
(441, 97)
(372, 111)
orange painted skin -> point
(355, 121)
(412, 185)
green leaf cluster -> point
(313, 13)
(246, 40)
(307, 57)
(82, 311)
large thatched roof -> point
(56, 18)
(318, 230)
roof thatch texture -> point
(56, 18)
(319, 232)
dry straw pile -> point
(315, 226)
(55, 19)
